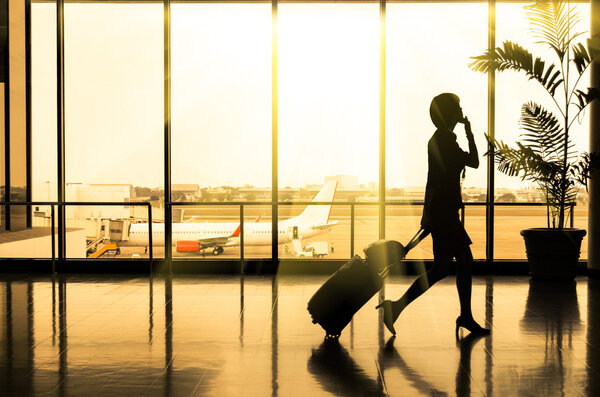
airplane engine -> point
(188, 246)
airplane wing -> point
(325, 225)
(213, 241)
(218, 241)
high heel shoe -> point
(471, 326)
(389, 316)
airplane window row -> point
(212, 232)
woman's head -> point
(445, 110)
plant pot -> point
(553, 254)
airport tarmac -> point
(402, 222)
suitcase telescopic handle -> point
(417, 238)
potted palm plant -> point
(545, 154)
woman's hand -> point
(465, 121)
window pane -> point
(512, 91)
(417, 71)
(221, 99)
(403, 221)
(509, 221)
(328, 81)
(36, 243)
(401, 224)
(113, 109)
(421, 63)
(580, 220)
(221, 112)
(475, 225)
(17, 114)
(43, 102)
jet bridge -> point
(118, 230)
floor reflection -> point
(552, 310)
(337, 373)
(62, 337)
(274, 336)
(18, 325)
(390, 358)
(252, 335)
(463, 373)
(593, 338)
(489, 346)
(168, 333)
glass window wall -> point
(327, 113)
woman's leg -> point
(439, 270)
(392, 309)
(464, 257)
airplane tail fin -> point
(319, 214)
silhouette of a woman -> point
(440, 213)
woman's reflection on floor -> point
(463, 374)
(337, 373)
(389, 358)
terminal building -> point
(179, 180)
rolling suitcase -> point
(353, 284)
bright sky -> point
(221, 90)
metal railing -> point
(52, 204)
(242, 205)
(351, 204)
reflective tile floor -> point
(224, 336)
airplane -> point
(191, 237)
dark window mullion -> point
(491, 117)
(167, 135)
(274, 137)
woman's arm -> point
(472, 158)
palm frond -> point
(512, 56)
(522, 161)
(543, 132)
(553, 22)
(585, 98)
(579, 171)
(547, 173)
(581, 58)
